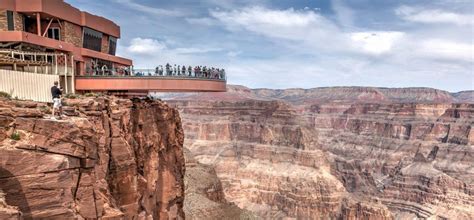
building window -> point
(24, 23)
(11, 26)
(92, 39)
(54, 33)
(112, 45)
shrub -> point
(71, 96)
(15, 136)
(90, 94)
(5, 95)
(45, 109)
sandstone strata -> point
(110, 159)
(205, 197)
(350, 153)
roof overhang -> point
(64, 11)
(79, 53)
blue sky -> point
(303, 43)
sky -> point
(302, 43)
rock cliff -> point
(205, 197)
(110, 159)
(336, 152)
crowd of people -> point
(166, 70)
(189, 71)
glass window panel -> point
(11, 26)
(92, 39)
(112, 45)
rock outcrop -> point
(205, 197)
(337, 156)
(110, 159)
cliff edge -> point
(110, 158)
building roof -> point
(64, 11)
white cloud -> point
(444, 49)
(281, 48)
(149, 53)
(376, 43)
(201, 21)
(150, 10)
(306, 27)
(234, 53)
(260, 16)
(195, 50)
(145, 46)
(307, 30)
(228, 4)
(433, 16)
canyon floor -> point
(328, 153)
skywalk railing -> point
(208, 74)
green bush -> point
(90, 94)
(15, 136)
(71, 96)
(5, 95)
(45, 109)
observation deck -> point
(149, 81)
(149, 84)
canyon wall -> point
(109, 159)
(344, 153)
(205, 197)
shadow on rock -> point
(14, 195)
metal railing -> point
(129, 72)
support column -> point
(65, 65)
(73, 83)
(47, 66)
(65, 73)
(82, 69)
(36, 67)
(38, 23)
(56, 64)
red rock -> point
(125, 163)
(349, 153)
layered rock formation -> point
(349, 153)
(205, 197)
(110, 159)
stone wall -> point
(105, 44)
(3, 20)
(72, 33)
(18, 21)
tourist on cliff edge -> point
(56, 93)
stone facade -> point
(18, 21)
(72, 33)
(3, 20)
(105, 44)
